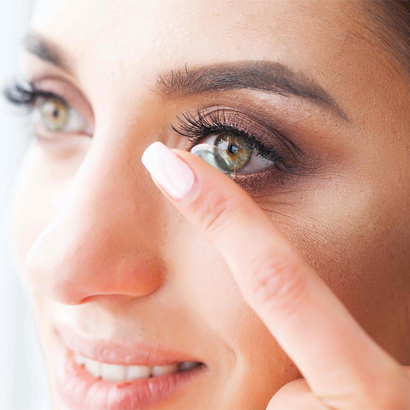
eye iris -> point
(236, 154)
(53, 114)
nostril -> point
(110, 298)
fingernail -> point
(173, 174)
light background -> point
(22, 377)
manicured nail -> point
(173, 174)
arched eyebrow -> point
(261, 75)
(47, 50)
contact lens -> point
(228, 153)
(235, 153)
(216, 156)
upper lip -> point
(131, 352)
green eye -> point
(54, 114)
(233, 153)
(226, 152)
(230, 154)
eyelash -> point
(27, 94)
(197, 127)
(193, 127)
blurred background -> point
(22, 376)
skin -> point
(301, 312)
(100, 249)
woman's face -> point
(109, 263)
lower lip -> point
(80, 390)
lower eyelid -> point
(260, 184)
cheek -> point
(40, 192)
(355, 234)
(36, 198)
(212, 296)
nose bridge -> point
(103, 192)
(100, 243)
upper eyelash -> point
(195, 128)
(26, 94)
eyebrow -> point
(260, 75)
(267, 76)
(48, 51)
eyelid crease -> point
(217, 118)
(197, 127)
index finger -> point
(310, 323)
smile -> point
(117, 375)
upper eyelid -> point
(45, 94)
(243, 122)
(51, 88)
(192, 129)
(217, 118)
(17, 89)
(70, 94)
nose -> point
(102, 239)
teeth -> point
(138, 372)
(93, 367)
(80, 360)
(113, 372)
(118, 373)
(161, 370)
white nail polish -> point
(171, 172)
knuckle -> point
(275, 280)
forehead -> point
(118, 49)
(131, 36)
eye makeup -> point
(279, 156)
(26, 94)
(51, 99)
(265, 143)
(231, 122)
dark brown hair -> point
(390, 21)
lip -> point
(123, 352)
(80, 390)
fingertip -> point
(172, 173)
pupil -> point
(55, 113)
(233, 149)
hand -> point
(343, 367)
